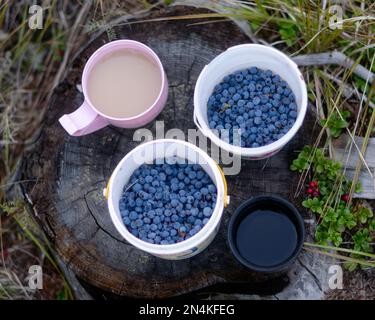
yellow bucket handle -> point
(226, 202)
(226, 199)
(106, 190)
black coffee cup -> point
(266, 233)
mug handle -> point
(82, 121)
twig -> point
(337, 58)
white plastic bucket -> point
(161, 149)
(242, 57)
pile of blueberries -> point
(167, 203)
(251, 108)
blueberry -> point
(259, 140)
(232, 90)
(218, 88)
(264, 108)
(211, 188)
(204, 191)
(126, 221)
(292, 106)
(197, 195)
(239, 77)
(192, 175)
(207, 211)
(256, 101)
(236, 97)
(133, 215)
(285, 101)
(293, 114)
(198, 222)
(258, 113)
(156, 220)
(212, 124)
(271, 128)
(240, 119)
(241, 103)
(282, 109)
(138, 202)
(194, 212)
(192, 232)
(257, 120)
(149, 179)
(253, 70)
(151, 235)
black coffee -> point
(266, 238)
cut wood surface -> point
(67, 174)
(341, 147)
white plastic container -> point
(242, 57)
(147, 153)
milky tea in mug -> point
(124, 84)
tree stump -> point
(67, 174)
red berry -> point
(310, 191)
(345, 197)
(316, 193)
(313, 184)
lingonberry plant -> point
(327, 195)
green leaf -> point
(319, 168)
(362, 240)
(364, 214)
(350, 266)
(336, 122)
(358, 187)
(371, 225)
(288, 32)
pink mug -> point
(87, 118)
